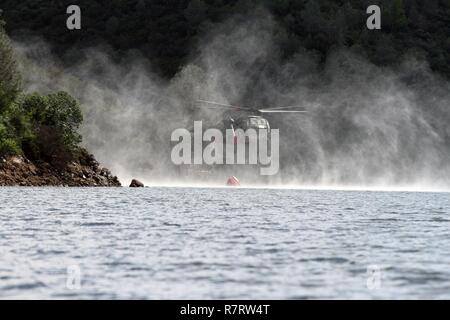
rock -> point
(105, 172)
(18, 170)
(136, 184)
(16, 161)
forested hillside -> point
(167, 31)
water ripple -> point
(197, 244)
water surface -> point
(194, 243)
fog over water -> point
(367, 125)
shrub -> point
(54, 119)
(64, 113)
(8, 144)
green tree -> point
(8, 143)
(399, 19)
(44, 127)
(9, 89)
(10, 81)
(55, 119)
(64, 112)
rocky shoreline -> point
(85, 172)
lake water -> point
(194, 243)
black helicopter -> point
(245, 117)
(232, 117)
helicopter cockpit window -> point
(255, 122)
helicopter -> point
(247, 117)
(239, 123)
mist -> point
(366, 125)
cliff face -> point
(86, 172)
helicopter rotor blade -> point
(224, 105)
(285, 109)
(215, 103)
(281, 111)
(288, 107)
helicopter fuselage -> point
(252, 122)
